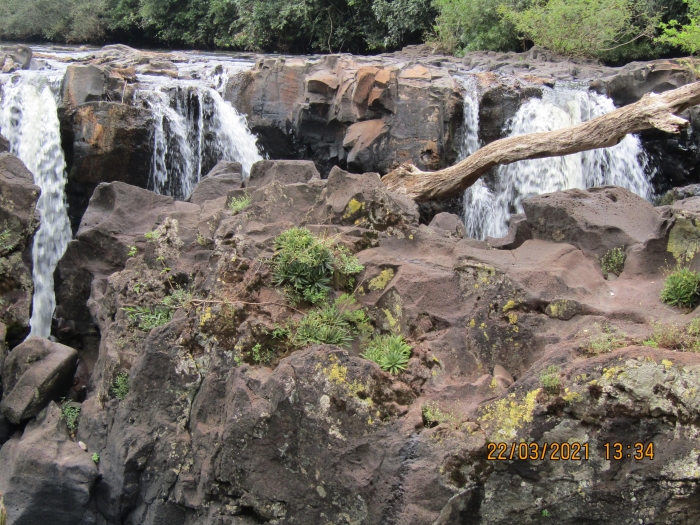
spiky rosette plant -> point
(390, 352)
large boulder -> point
(594, 220)
(83, 84)
(283, 171)
(33, 373)
(18, 222)
(45, 476)
(15, 57)
(224, 177)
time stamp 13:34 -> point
(565, 451)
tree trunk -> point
(652, 111)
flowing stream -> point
(489, 204)
(193, 129)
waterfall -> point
(194, 127)
(489, 206)
(29, 120)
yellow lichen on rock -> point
(382, 280)
(503, 418)
(684, 239)
(352, 208)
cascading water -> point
(487, 210)
(194, 127)
(29, 120)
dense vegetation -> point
(611, 30)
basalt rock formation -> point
(207, 417)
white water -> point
(488, 206)
(194, 127)
(29, 120)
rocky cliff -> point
(197, 410)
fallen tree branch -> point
(652, 111)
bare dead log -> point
(652, 111)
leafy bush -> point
(306, 264)
(337, 323)
(549, 380)
(586, 28)
(673, 337)
(120, 386)
(433, 415)
(606, 341)
(685, 36)
(391, 352)
(613, 262)
(681, 288)
(239, 204)
(149, 318)
(70, 413)
(470, 25)
(95, 457)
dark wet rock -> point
(348, 112)
(33, 373)
(225, 176)
(104, 142)
(4, 145)
(83, 84)
(46, 477)
(18, 222)
(282, 171)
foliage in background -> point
(681, 288)
(337, 323)
(390, 352)
(685, 36)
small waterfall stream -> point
(194, 127)
(29, 120)
(489, 204)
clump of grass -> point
(337, 323)
(306, 264)
(178, 298)
(260, 356)
(681, 288)
(549, 380)
(149, 318)
(238, 204)
(95, 457)
(70, 413)
(674, 337)
(120, 386)
(613, 262)
(391, 352)
(606, 341)
(433, 415)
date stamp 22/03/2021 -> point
(565, 451)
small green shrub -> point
(149, 318)
(70, 413)
(178, 298)
(391, 352)
(258, 355)
(238, 204)
(604, 342)
(687, 37)
(95, 457)
(433, 415)
(132, 251)
(152, 236)
(120, 386)
(337, 323)
(613, 262)
(674, 337)
(305, 264)
(546, 514)
(549, 380)
(681, 288)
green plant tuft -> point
(337, 323)
(433, 415)
(549, 380)
(390, 352)
(681, 288)
(238, 204)
(305, 264)
(120, 385)
(149, 318)
(70, 413)
(605, 341)
(674, 337)
(96, 457)
(613, 262)
(152, 236)
(132, 251)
